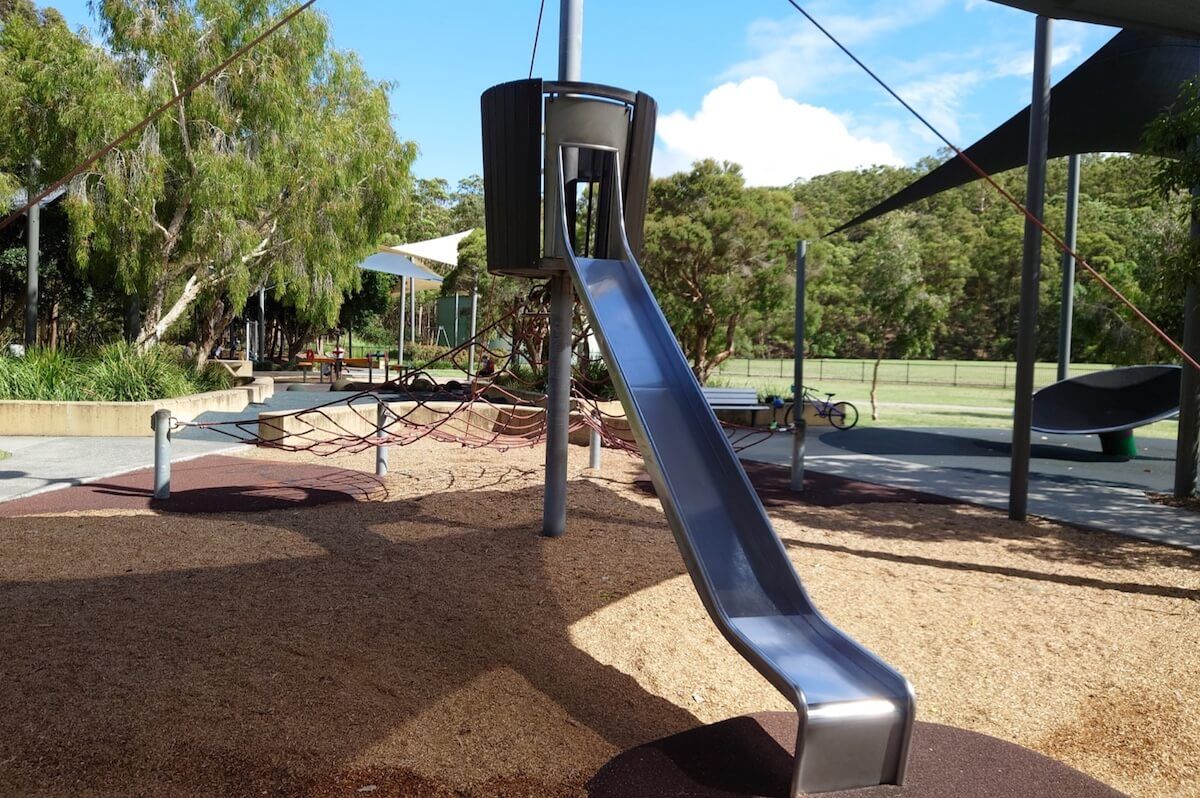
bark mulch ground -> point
(431, 643)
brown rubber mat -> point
(211, 484)
(751, 756)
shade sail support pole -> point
(1067, 308)
(1031, 272)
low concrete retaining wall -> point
(121, 419)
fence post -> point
(594, 445)
(821, 369)
(907, 368)
(381, 449)
(160, 422)
(955, 375)
(862, 372)
(1004, 379)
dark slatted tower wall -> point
(512, 176)
(637, 171)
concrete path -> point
(39, 464)
(1071, 481)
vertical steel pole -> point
(474, 319)
(412, 314)
(262, 323)
(160, 422)
(1187, 442)
(381, 449)
(800, 429)
(1066, 310)
(400, 338)
(1031, 273)
(32, 248)
(562, 307)
(595, 447)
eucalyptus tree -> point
(283, 171)
(716, 250)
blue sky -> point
(749, 81)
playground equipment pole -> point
(1031, 272)
(595, 448)
(801, 426)
(32, 247)
(400, 338)
(381, 449)
(562, 307)
(262, 322)
(474, 319)
(1187, 442)
(160, 422)
(1067, 307)
(412, 313)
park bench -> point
(735, 399)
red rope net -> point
(503, 410)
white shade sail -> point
(388, 261)
(443, 251)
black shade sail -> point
(1181, 17)
(1103, 106)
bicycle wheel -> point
(843, 415)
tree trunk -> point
(874, 386)
(155, 323)
(213, 323)
(54, 326)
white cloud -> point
(939, 99)
(801, 59)
(776, 139)
(1021, 64)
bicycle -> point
(842, 415)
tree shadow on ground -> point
(1053, 544)
(285, 663)
(885, 442)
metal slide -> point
(855, 711)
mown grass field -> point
(983, 396)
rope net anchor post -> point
(160, 422)
(382, 416)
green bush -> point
(41, 374)
(115, 373)
(429, 356)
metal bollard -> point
(160, 422)
(594, 450)
(381, 450)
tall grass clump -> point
(114, 373)
(122, 373)
(46, 374)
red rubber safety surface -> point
(210, 484)
(751, 755)
(773, 483)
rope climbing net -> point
(501, 410)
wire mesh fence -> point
(965, 373)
